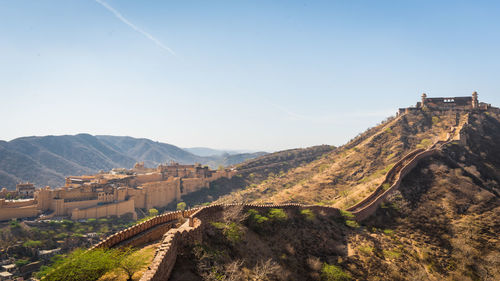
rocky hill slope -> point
(348, 174)
(48, 160)
(442, 222)
(253, 171)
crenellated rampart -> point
(369, 205)
(149, 227)
(191, 232)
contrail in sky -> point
(134, 27)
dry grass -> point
(347, 175)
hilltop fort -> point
(105, 194)
(448, 103)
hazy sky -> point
(261, 75)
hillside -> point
(48, 160)
(346, 175)
(444, 221)
(441, 224)
(253, 171)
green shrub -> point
(424, 143)
(20, 263)
(388, 231)
(365, 249)
(181, 206)
(386, 186)
(232, 231)
(32, 244)
(435, 120)
(346, 214)
(14, 223)
(309, 214)
(277, 215)
(330, 272)
(351, 223)
(153, 212)
(255, 217)
(391, 254)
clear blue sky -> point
(261, 75)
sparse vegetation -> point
(308, 214)
(352, 223)
(181, 206)
(331, 272)
(277, 215)
(391, 254)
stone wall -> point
(192, 230)
(388, 176)
(134, 230)
(369, 205)
(193, 184)
(366, 211)
(18, 212)
(149, 177)
(107, 210)
(161, 193)
(16, 203)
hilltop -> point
(48, 160)
(442, 223)
(349, 173)
(253, 171)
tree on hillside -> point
(131, 262)
(82, 265)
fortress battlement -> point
(447, 104)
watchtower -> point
(424, 100)
(475, 100)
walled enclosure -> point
(116, 193)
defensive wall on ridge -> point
(191, 232)
(183, 228)
(166, 227)
(369, 205)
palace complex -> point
(115, 193)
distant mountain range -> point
(48, 160)
(205, 151)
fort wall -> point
(149, 177)
(134, 230)
(160, 193)
(150, 189)
(193, 184)
(369, 205)
(374, 203)
(190, 232)
(16, 203)
(20, 209)
(106, 210)
(16, 213)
